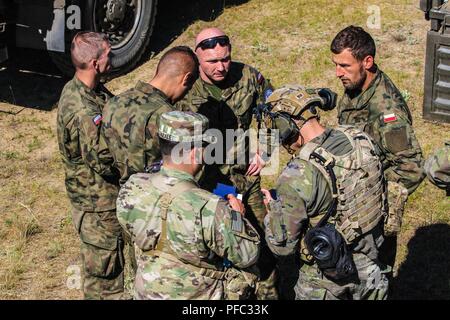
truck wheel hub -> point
(115, 11)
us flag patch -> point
(389, 117)
(97, 119)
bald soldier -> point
(227, 93)
(130, 118)
(91, 181)
(182, 233)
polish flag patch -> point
(389, 117)
(97, 119)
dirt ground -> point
(288, 41)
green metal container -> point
(436, 101)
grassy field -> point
(288, 41)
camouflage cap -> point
(178, 126)
(296, 101)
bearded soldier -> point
(372, 103)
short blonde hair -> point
(87, 46)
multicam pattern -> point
(180, 126)
(437, 167)
(130, 128)
(293, 99)
(200, 233)
(304, 195)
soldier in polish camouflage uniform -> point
(372, 103)
(227, 93)
(91, 181)
(130, 118)
(181, 232)
(437, 168)
(305, 195)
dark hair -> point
(186, 60)
(360, 43)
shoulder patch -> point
(97, 119)
(391, 117)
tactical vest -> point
(360, 184)
(163, 248)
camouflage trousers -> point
(370, 283)
(101, 254)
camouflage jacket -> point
(130, 128)
(382, 112)
(91, 181)
(437, 167)
(242, 91)
(303, 196)
(201, 230)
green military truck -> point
(51, 24)
(436, 102)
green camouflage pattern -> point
(401, 153)
(303, 196)
(180, 126)
(371, 283)
(102, 255)
(201, 230)
(130, 128)
(90, 179)
(437, 167)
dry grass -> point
(288, 41)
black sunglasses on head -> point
(211, 43)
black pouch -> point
(330, 252)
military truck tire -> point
(128, 25)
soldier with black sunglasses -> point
(227, 92)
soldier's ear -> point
(368, 62)
(94, 65)
(188, 79)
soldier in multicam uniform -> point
(334, 184)
(372, 103)
(129, 123)
(437, 168)
(183, 233)
(227, 93)
(91, 182)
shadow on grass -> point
(425, 274)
